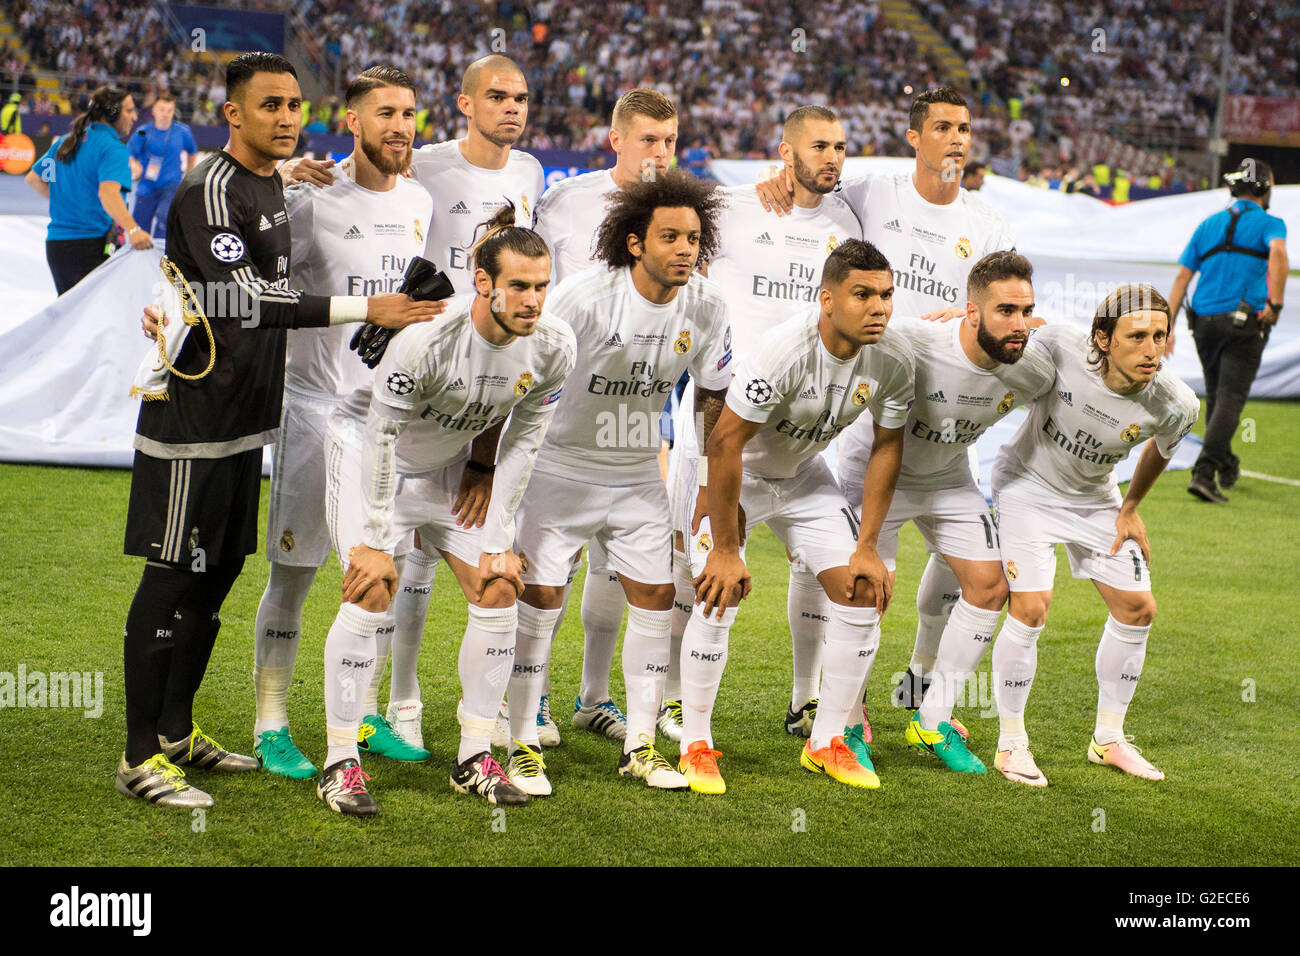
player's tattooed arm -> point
(1128, 525)
(709, 404)
(877, 493)
(476, 480)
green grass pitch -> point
(1215, 709)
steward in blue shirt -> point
(1241, 256)
(156, 151)
(85, 175)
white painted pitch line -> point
(1280, 481)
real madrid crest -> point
(683, 343)
(705, 543)
(1008, 402)
(862, 394)
(963, 248)
(523, 204)
(1131, 434)
(286, 541)
(524, 384)
(419, 233)
(1012, 573)
(523, 562)
(831, 243)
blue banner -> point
(225, 29)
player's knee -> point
(499, 594)
(1139, 610)
(375, 600)
(659, 597)
(542, 596)
(1030, 607)
(989, 595)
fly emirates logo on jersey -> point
(387, 278)
(801, 279)
(919, 277)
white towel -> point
(151, 378)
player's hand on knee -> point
(397, 310)
(724, 583)
(314, 172)
(506, 566)
(367, 568)
(775, 188)
(472, 499)
(151, 320)
(1129, 525)
(865, 565)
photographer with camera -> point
(1241, 255)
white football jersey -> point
(1066, 451)
(452, 384)
(930, 247)
(806, 396)
(771, 269)
(569, 216)
(347, 240)
(631, 352)
(465, 196)
(956, 402)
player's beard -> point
(806, 178)
(996, 348)
(382, 161)
(501, 139)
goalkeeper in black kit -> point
(196, 477)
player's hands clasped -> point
(505, 565)
(366, 568)
(1129, 525)
(397, 310)
(865, 565)
(472, 499)
(724, 582)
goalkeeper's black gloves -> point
(423, 282)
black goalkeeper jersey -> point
(228, 234)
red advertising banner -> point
(1255, 117)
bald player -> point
(469, 180)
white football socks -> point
(936, 595)
(1119, 660)
(528, 675)
(965, 640)
(645, 668)
(808, 608)
(852, 639)
(276, 635)
(1015, 660)
(349, 669)
(410, 610)
(487, 653)
(603, 601)
(683, 601)
(704, 658)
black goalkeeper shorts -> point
(180, 506)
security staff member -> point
(1241, 255)
(156, 151)
(84, 175)
(197, 472)
(11, 120)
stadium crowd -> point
(729, 64)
